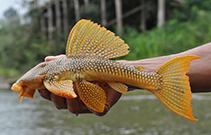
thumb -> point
(49, 58)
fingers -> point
(45, 94)
(49, 58)
(76, 106)
(73, 105)
(112, 97)
(59, 102)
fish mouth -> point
(23, 91)
(17, 88)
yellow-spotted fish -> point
(89, 48)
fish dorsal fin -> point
(87, 37)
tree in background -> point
(23, 45)
(12, 17)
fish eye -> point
(56, 77)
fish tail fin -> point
(174, 91)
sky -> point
(16, 4)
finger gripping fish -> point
(88, 52)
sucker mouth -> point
(23, 91)
(16, 87)
(19, 89)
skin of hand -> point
(75, 105)
(199, 75)
(200, 69)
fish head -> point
(30, 81)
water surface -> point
(132, 115)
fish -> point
(89, 52)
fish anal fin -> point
(62, 88)
(93, 96)
(120, 87)
(174, 91)
(87, 37)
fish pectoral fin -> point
(93, 96)
(62, 88)
(120, 87)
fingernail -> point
(48, 58)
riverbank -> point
(4, 83)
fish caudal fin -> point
(175, 91)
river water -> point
(31, 117)
(141, 115)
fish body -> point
(92, 68)
(88, 53)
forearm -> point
(200, 69)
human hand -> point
(75, 105)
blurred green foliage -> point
(188, 25)
(188, 9)
(19, 48)
(174, 37)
